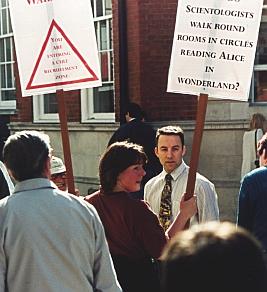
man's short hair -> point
(116, 159)
(214, 257)
(134, 110)
(170, 131)
(25, 153)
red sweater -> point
(131, 227)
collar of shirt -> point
(32, 184)
(175, 173)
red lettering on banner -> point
(59, 62)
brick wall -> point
(150, 26)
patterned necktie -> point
(166, 203)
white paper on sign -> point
(214, 47)
(55, 45)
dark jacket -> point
(143, 134)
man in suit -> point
(136, 130)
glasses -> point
(59, 175)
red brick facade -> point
(150, 26)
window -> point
(98, 103)
(7, 79)
(45, 108)
(259, 78)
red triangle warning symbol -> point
(59, 62)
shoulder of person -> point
(201, 179)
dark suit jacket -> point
(143, 134)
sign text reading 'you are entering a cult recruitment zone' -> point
(61, 51)
(214, 47)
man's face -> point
(170, 151)
(60, 180)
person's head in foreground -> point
(121, 167)
(58, 173)
(27, 155)
(214, 257)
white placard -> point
(214, 47)
(55, 45)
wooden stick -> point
(200, 121)
(65, 139)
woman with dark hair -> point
(133, 231)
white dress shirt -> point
(207, 201)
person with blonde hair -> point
(257, 127)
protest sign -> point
(55, 45)
(214, 47)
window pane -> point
(111, 66)
(8, 49)
(50, 103)
(108, 7)
(9, 23)
(103, 35)
(3, 76)
(8, 95)
(9, 76)
(260, 86)
(2, 51)
(110, 34)
(4, 21)
(99, 8)
(261, 52)
(7, 85)
(103, 99)
(3, 3)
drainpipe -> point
(123, 59)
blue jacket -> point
(252, 209)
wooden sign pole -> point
(200, 121)
(65, 139)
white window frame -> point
(39, 116)
(87, 99)
(7, 105)
(87, 106)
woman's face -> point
(130, 179)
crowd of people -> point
(130, 235)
